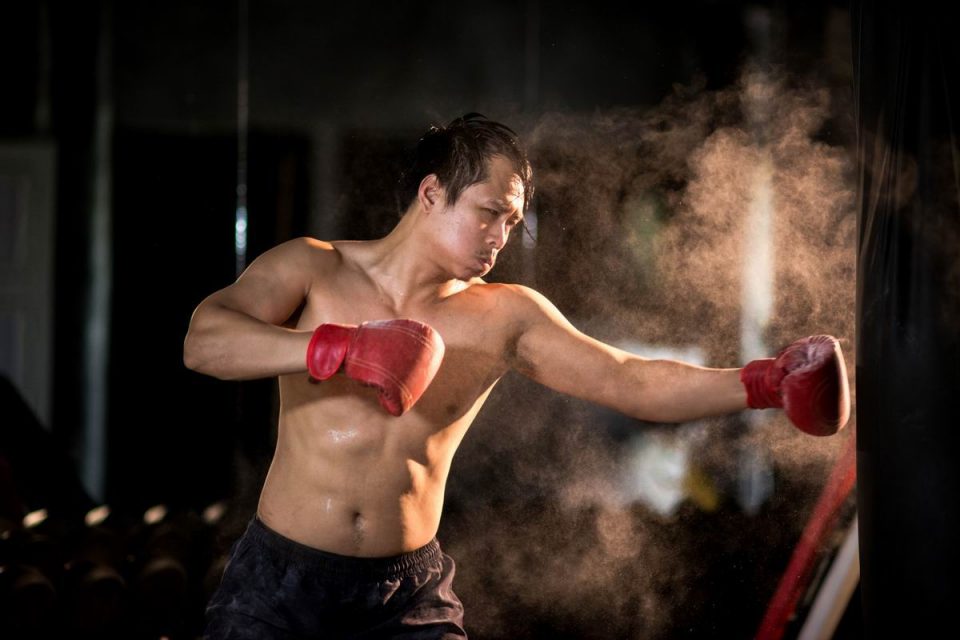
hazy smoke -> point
(641, 237)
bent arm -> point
(553, 352)
(235, 333)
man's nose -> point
(498, 235)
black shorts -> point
(274, 587)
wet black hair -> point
(458, 155)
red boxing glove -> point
(398, 357)
(808, 380)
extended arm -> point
(553, 352)
(808, 379)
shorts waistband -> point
(319, 560)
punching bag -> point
(907, 93)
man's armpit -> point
(294, 319)
(529, 318)
(512, 354)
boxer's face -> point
(475, 228)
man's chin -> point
(477, 271)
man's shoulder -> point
(306, 245)
(513, 291)
(308, 252)
(514, 299)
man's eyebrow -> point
(503, 205)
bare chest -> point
(476, 338)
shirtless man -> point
(343, 543)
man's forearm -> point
(230, 345)
(671, 391)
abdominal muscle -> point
(367, 486)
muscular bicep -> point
(273, 287)
(550, 350)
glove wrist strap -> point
(755, 378)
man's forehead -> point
(511, 201)
(505, 193)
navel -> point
(359, 525)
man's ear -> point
(430, 194)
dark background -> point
(338, 93)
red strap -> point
(762, 381)
(796, 579)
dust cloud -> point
(644, 233)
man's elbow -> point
(197, 356)
(198, 348)
(191, 354)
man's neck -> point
(403, 267)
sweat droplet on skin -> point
(344, 435)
